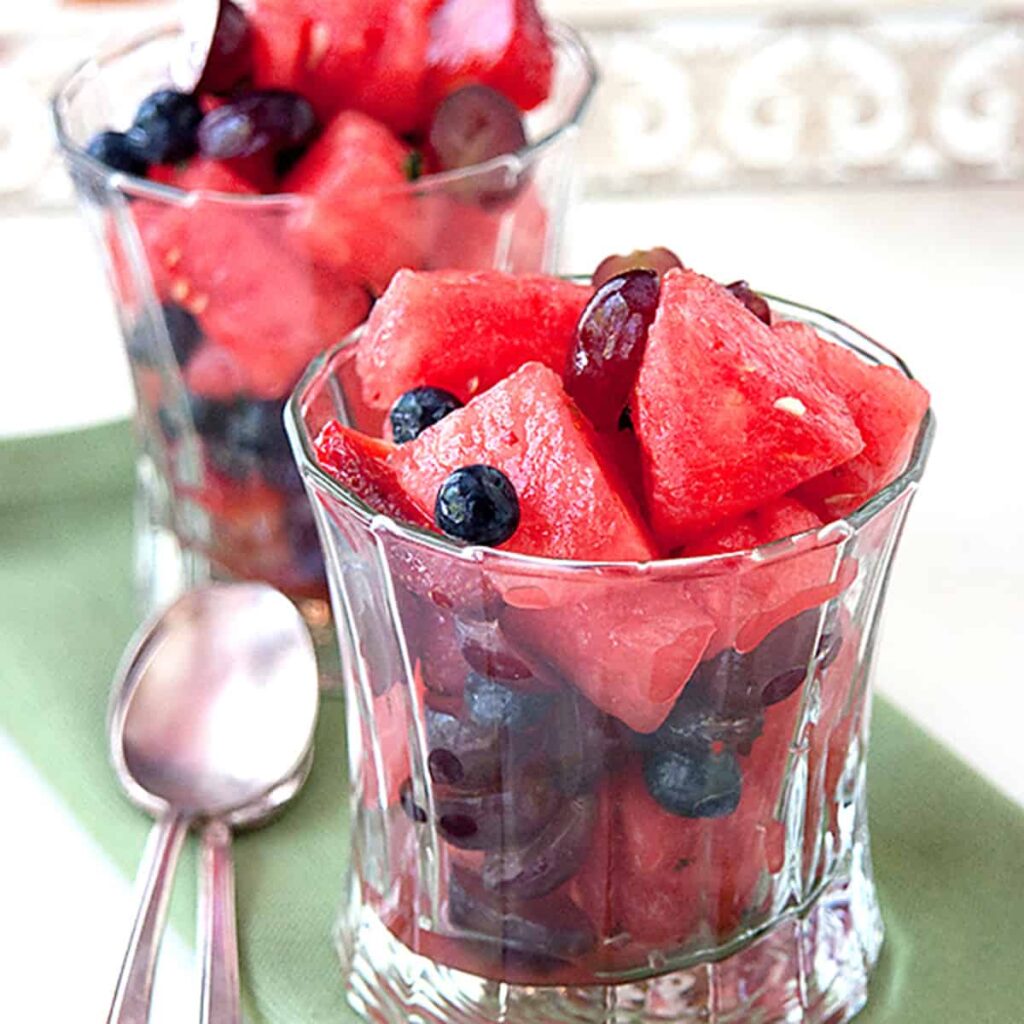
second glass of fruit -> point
(225, 294)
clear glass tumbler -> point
(223, 300)
(523, 872)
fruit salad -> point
(637, 655)
(318, 149)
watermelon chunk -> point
(748, 602)
(728, 415)
(365, 55)
(499, 43)
(661, 878)
(253, 297)
(464, 332)
(887, 408)
(528, 427)
(629, 647)
(358, 215)
(360, 464)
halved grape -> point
(552, 857)
(585, 744)
(271, 121)
(550, 927)
(492, 820)
(660, 260)
(757, 305)
(489, 653)
(229, 60)
(471, 126)
(720, 705)
(610, 340)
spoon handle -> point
(155, 881)
(218, 935)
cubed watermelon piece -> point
(499, 43)
(357, 214)
(366, 55)
(256, 299)
(466, 236)
(729, 416)
(528, 427)
(660, 878)
(630, 647)
(749, 601)
(360, 464)
(465, 332)
(887, 408)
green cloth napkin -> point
(948, 848)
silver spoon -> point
(211, 719)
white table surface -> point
(931, 273)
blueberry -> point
(183, 330)
(166, 127)
(118, 152)
(693, 783)
(418, 409)
(210, 416)
(479, 505)
(489, 703)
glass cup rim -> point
(562, 36)
(833, 533)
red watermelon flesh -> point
(528, 427)
(629, 647)
(360, 464)
(749, 601)
(661, 878)
(887, 407)
(728, 415)
(271, 311)
(357, 214)
(365, 55)
(466, 236)
(464, 332)
(499, 43)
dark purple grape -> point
(754, 303)
(780, 661)
(552, 857)
(117, 151)
(478, 505)
(693, 783)
(471, 126)
(720, 704)
(610, 341)
(551, 927)
(660, 260)
(585, 744)
(165, 127)
(413, 811)
(272, 121)
(468, 755)
(228, 58)
(417, 409)
(489, 653)
(492, 820)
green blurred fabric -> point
(948, 848)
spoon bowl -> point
(211, 719)
(215, 703)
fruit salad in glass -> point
(608, 557)
(251, 216)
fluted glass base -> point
(812, 967)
